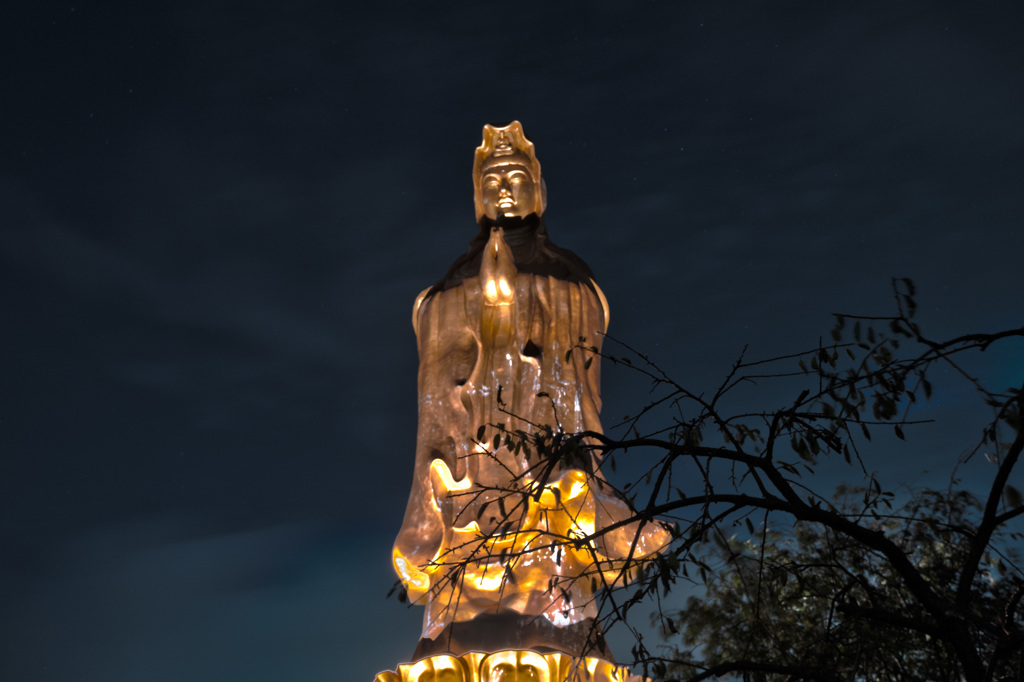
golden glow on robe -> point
(545, 564)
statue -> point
(487, 543)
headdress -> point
(504, 147)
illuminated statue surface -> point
(486, 541)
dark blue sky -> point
(215, 216)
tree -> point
(820, 587)
(812, 599)
(801, 583)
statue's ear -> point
(543, 195)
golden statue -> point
(506, 550)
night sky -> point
(215, 217)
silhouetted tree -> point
(804, 584)
(808, 602)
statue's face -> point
(508, 191)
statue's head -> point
(506, 175)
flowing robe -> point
(488, 529)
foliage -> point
(819, 587)
(815, 599)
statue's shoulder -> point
(416, 308)
(536, 255)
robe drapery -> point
(489, 529)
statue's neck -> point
(517, 231)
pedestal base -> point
(509, 666)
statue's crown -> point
(504, 146)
